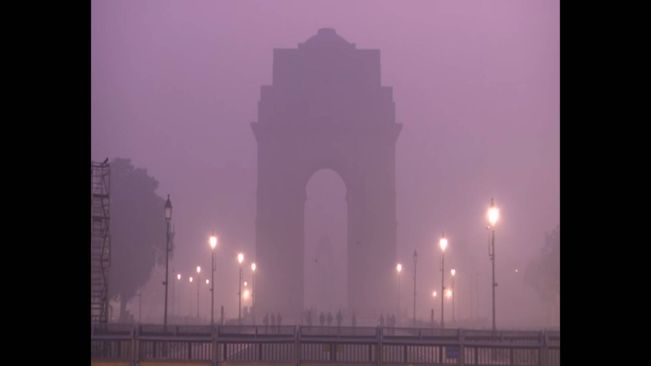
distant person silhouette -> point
(340, 318)
(309, 318)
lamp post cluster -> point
(493, 217)
(245, 293)
(213, 241)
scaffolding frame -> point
(100, 243)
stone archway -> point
(325, 109)
(325, 262)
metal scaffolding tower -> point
(100, 243)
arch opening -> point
(326, 241)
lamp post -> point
(493, 216)
(213, 244)
(190, 280)
(139, 307)
(434, 297)
(453, 272)
(240, 260)
(253, 268)
(168, 218)
(173, 290)
(246, 293)
(209, 283)
(415, 258)
(398, 270)
(443, 243)
(174, 297)
(198, 284)
(449, 295)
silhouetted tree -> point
(138, 230)
(543, 272)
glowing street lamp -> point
(443, 244)
(493, 215)
(213, 244)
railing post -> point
(379, 351)
(215, 345)
(224, 352)
(511, 354)
(542, 350)
(404, 353)
(462, 349)
(135, 346)
(297, 345)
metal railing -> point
(302, 344)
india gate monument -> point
(326, 108)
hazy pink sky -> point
(175, 85)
